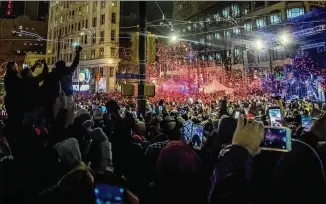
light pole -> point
(142, 57)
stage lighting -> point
(285, 38)
(259, 44)
(174, 38)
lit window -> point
(275, 18)
(228, 34)
(217, 16)
(20, 27)
(237, 52)
(201, 24)
(202, 40)
(25, 43)
(236, 31)
(217, 36)
(235, 10)
(49, 51)
(218, 56)
(260, 22)
(226, 12)
(18, 51)
(208, 19)
(248, 26)
(189, 27)
(209, 37)
(294, 12)
(92, 54)
(101, 52)
(114, 4)
(195, 25)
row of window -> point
(260, 22)
(85, 55)
(113, 4)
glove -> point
(249, 135)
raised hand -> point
(249, 135)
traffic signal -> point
(150, 48)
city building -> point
(35, 10)
(95, 26)
(17, 38)
(223, 30)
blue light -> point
(283, 147)
(98, 201)
(118, 198)
(96, 191)
(107, 202)
(121, 190)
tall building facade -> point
(222, 30)
(95, 26)
(14, 45)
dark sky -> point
(153, 12)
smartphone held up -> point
(277, 139)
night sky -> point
(153, 13)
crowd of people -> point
(59, 147)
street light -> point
(110, 61)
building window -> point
(86, 23)
(217, 17)
(226, 12)
(228, 34)
(102, 4)
(101, 52)
(275, 18)
(102, 37)
(94, 38)
(20, 27)
(92, 54)
(114, 4)
(209, 37)
(113, 35)
(236, 31)
(113, 19)
(202, 40)
(113, 52)
(111, 71)
(217, 36)
(246, 8)
(260, 22)
(94, 6)
(235, 10)
(85, 39)
(94, 22)
(102, 19)
(79, 26)
(294, 12)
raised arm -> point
(45, 71)
(75, 63)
